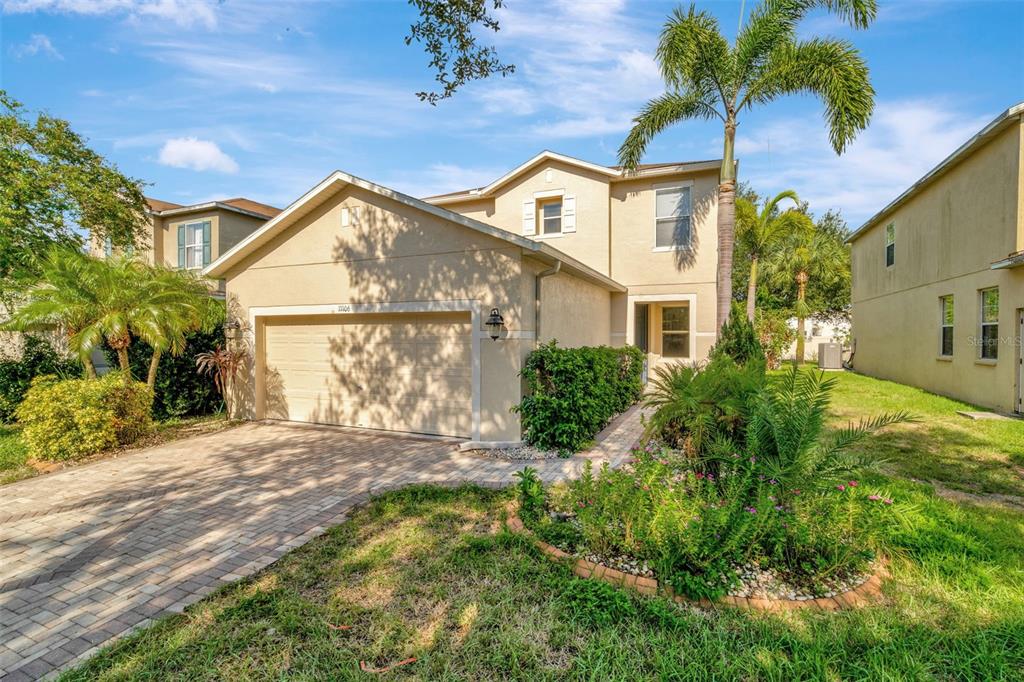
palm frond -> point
(658, 114)
(830, 69)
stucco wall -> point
(574, 312)
(947, 236)
(393, 253)
(589, 244)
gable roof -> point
(996, 126)
(241, 205)
(614, 174)
(157, 205)
(337, 180)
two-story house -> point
(938, 275)
(191, 237)
(367, 307)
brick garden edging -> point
(867, 592)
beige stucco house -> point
(938, 275)
(191, 237)
(366, 307)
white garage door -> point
(400, 372)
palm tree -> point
(808, 255)
(117, 300)
(708, 78)
(64, 299)
(759, 233)
(179, 304)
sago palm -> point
(808, 255)
(707, 78)
(761, 231)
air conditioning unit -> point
(830, 356)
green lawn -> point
(984, 456)
(429, 573)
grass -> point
(984, 456)
(431, 573)
(422, 573)
(16, 466)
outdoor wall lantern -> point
(494, 323)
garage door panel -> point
(396, 372)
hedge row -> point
(572, 393)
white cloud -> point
(36, 44)
(904, 141)
(196, 154)
(185, 13)
(586, 80)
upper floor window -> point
(194, 245)
(990, 324)
(672, 218)
(946, 326)
(890, 245)
(549, 213)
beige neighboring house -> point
(191, 237)
(938, 275)
(367, 307)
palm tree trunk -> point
(90, 369)
(801, 291)
(153, 363)
(726, 224)
(752, 290)
(122, 360)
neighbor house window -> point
(675, 331)
(672, 218)
(946, 326)
(194, 245)
(890, 245)
(990, 324)
(550, 215)
(108, 247)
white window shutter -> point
(569, 213)
(529, 217)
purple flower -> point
(887, 501)
(778, 507)
(852, 484)
(772, 481)
(752, 510)
(874, 498)
(840, 487)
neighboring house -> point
(938, 275)
(192, 237)
(367, 307)
(816, 332)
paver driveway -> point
(91, 553)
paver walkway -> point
(92, 553)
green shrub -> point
(775, 335)
(64, 420)
(572, 393)
(180, 391)
(738, 340)
(38, 358)
(531, 495)
(595, 603)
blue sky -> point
(262, 99)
